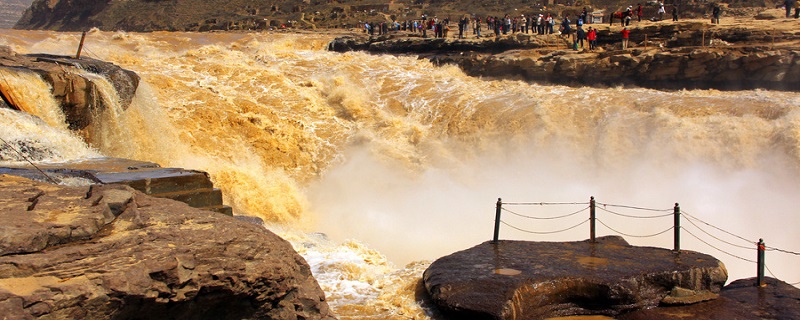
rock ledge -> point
(530, 280)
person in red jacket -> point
(639, 11)
(625, 35)
(592, 37)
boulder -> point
(78, 94)
(533, 280)
(739, 300)
(109, 251)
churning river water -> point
(375, 165)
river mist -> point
(372, 166)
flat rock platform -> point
(535, 280)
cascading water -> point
(394, 160)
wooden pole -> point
(677, 228)
(591, 219)
(497, 220)
(760, 272)
(80, 46)
(703, 44)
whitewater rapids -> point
(374, 165)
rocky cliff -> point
(205, 15)
(73, 85)
(11, 11)
(663, 55)
(109, 252)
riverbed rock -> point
(685, 55)
(533, 280)
(73, 84)
(739, 300)
(113, 252)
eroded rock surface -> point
(684, 55)
(739, 300)
(112, 252)
(533, 280)
(72, 83)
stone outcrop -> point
(533, 280)
(77, 93)
(11, 11)
(738, 300)
(111, 252)
(192, 187)
(686, 68)
(671, 56)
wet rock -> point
(532, 280)
(158, 259)
(78, 94)
(738, 300)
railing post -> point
(80, 46)
(677, 228)
(591, 220)
(497, 220)
(760, 272)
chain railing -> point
(613, 210)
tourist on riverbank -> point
(625, 36)
(592, 37)
(581, 34)
(797, 9)
(628, 15)
(789, 4)
(715, 13)
(639, 11)
(661, 10)
(584, 18)
(674, 12)
(565, 28)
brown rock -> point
(66, 257)
(531, 280)
(738, 300)
(77, 94)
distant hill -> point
(11, 11)
(206, 15)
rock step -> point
(223, 209)
(192, 187)
(158, 181)
(197, 198)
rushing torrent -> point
(374, 165)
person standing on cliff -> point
(796, 9)
(788, 4)
(625, 36)
(674, 12)
(639, 11)
(592, 36)
(716, 12)
(581, 34)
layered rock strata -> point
(105, 252)
(192, 187)
(73, 88)
(669, 56)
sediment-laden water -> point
(375, 165)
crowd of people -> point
(541, 24)
(536, 24)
